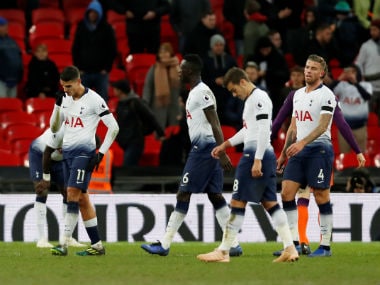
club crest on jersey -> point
(206, 97)
(74, 122)
(260, 105)
(303, 115)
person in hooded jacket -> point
(94, 49)
(135, 120)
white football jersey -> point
(307, 109)
(200, 97)
(81, 118)
(52, 140)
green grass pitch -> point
(126, 263)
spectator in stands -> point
(275, 38)
(360, 182)
(353, 94)
(11, 68)
(255, 27)
(198, 41)
(274, 70)
(233, 11)
(162, 93)
(215, 66)
(143, 23)
(94, 49)
(162, 87)
(185, 15)
(368, 61)
(365, 12)
(323, 45)
(135, 120)
(349, 33)
(43, 74)
(296, 81)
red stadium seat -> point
(17, 118)
(151, 154)
(21, 146)
(373, 119)
(74, 15)
(8, 158)
(137, 66)
(68, 5)
(13, 15)
(114, 17)
(62, 60)
(10, 104)
(43, 119)
(17, 132)
(168, 34)
(118, 155)
(43, 31)
(35, 105)
(49, 4)
(16, 31)
(43, 15)
(117, 74)
(58, 46)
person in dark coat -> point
(94, 49)
(135, 120)
(43, 75)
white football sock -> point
(222, 216)
(71, 220)
(175, 221)
(40, 209)
(326, 228)
(281, 225)
(232, 229)
(293, 223)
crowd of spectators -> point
(270, 39)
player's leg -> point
(322, 198)
(231, 230)
(281, 225)
(319, 178)
(41, 210)
(175, 221)
(90, 222)
(303, 217)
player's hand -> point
(59, 97)
(280, 164)
(225, 162)
(94, 162)
(42, 187)
(256, 169)
(361, 160)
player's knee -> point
(217, 200)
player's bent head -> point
(234, 75)
(70, 73)
(194, 63)
(321, 61)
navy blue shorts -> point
(75, 173)
(249, 189)
(35, 168)
(312, 166)
(202, 173)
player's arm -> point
(347, 134)
(57, 116)
(42, 187)
(213, 119)
(290, 138)
(285, 111)
(322, 127)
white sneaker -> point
(43, 243)
(74, 243)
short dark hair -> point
(70, 73)
(234, 75)
(194, 63)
